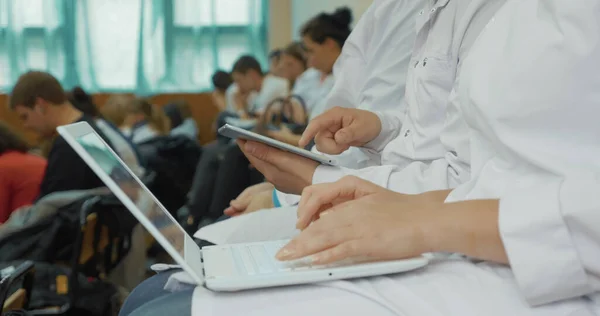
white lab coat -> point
(313, 89)
(230, 98)
(413, 157)
(307, 86)
(370, 73)
(536, 148)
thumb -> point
(230, 211)
(240, 203)
(258, 150)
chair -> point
(19, 298)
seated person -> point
(323, 37)
(222, 182)
(182, 122)
(144, 121)
(249, 78)
(274, 60)
(292, 62)
(364, 78)
(42, 105)
(221, 81)
(123, 146)
(526, 221)
(21, 173)
(114, 110)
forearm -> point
(470, 228)
(436, 196)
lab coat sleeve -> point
(385, 176)
(391, 124)
(551, 235)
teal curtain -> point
(140, 46)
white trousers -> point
(450, 287)
(456, 287)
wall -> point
(280, 26)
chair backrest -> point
(104, 240)
(24, 273)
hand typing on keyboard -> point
(260, 259)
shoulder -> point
(233, 88)
(276, 83)
(12, 162)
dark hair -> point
(335, 26)
(246, 63)
(177, 112)
(275, 54)
(11, 141)
(36, 84)
(296, 50)
(221, 80)
(83, 102)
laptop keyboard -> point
(260, 258)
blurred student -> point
(274, 60)
(144, 121)
(323, 38)
(42, 105)
(122, 145)
(21, 173)
(293, 63)
(221, 81)
(182, 121)
(249, 77)
(114, 109)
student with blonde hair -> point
(144, 121)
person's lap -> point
(147, 291)
(445, 288)
(177, 303)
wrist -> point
(275, 198)
(467, 227)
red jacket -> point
(20, 178)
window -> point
(210, 35)
(144, 46)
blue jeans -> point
(150, 298)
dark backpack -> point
(53, 238)
(173, 159)
(83, 295)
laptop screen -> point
(134, 189)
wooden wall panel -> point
(203, 110)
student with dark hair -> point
(21, 173)
(42, 105)
(324, 36)
(221, 81)
(182, 122)
(274, 60)
(123, 146)
(249, 78)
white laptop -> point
(231, 267)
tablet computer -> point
(236, 132)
